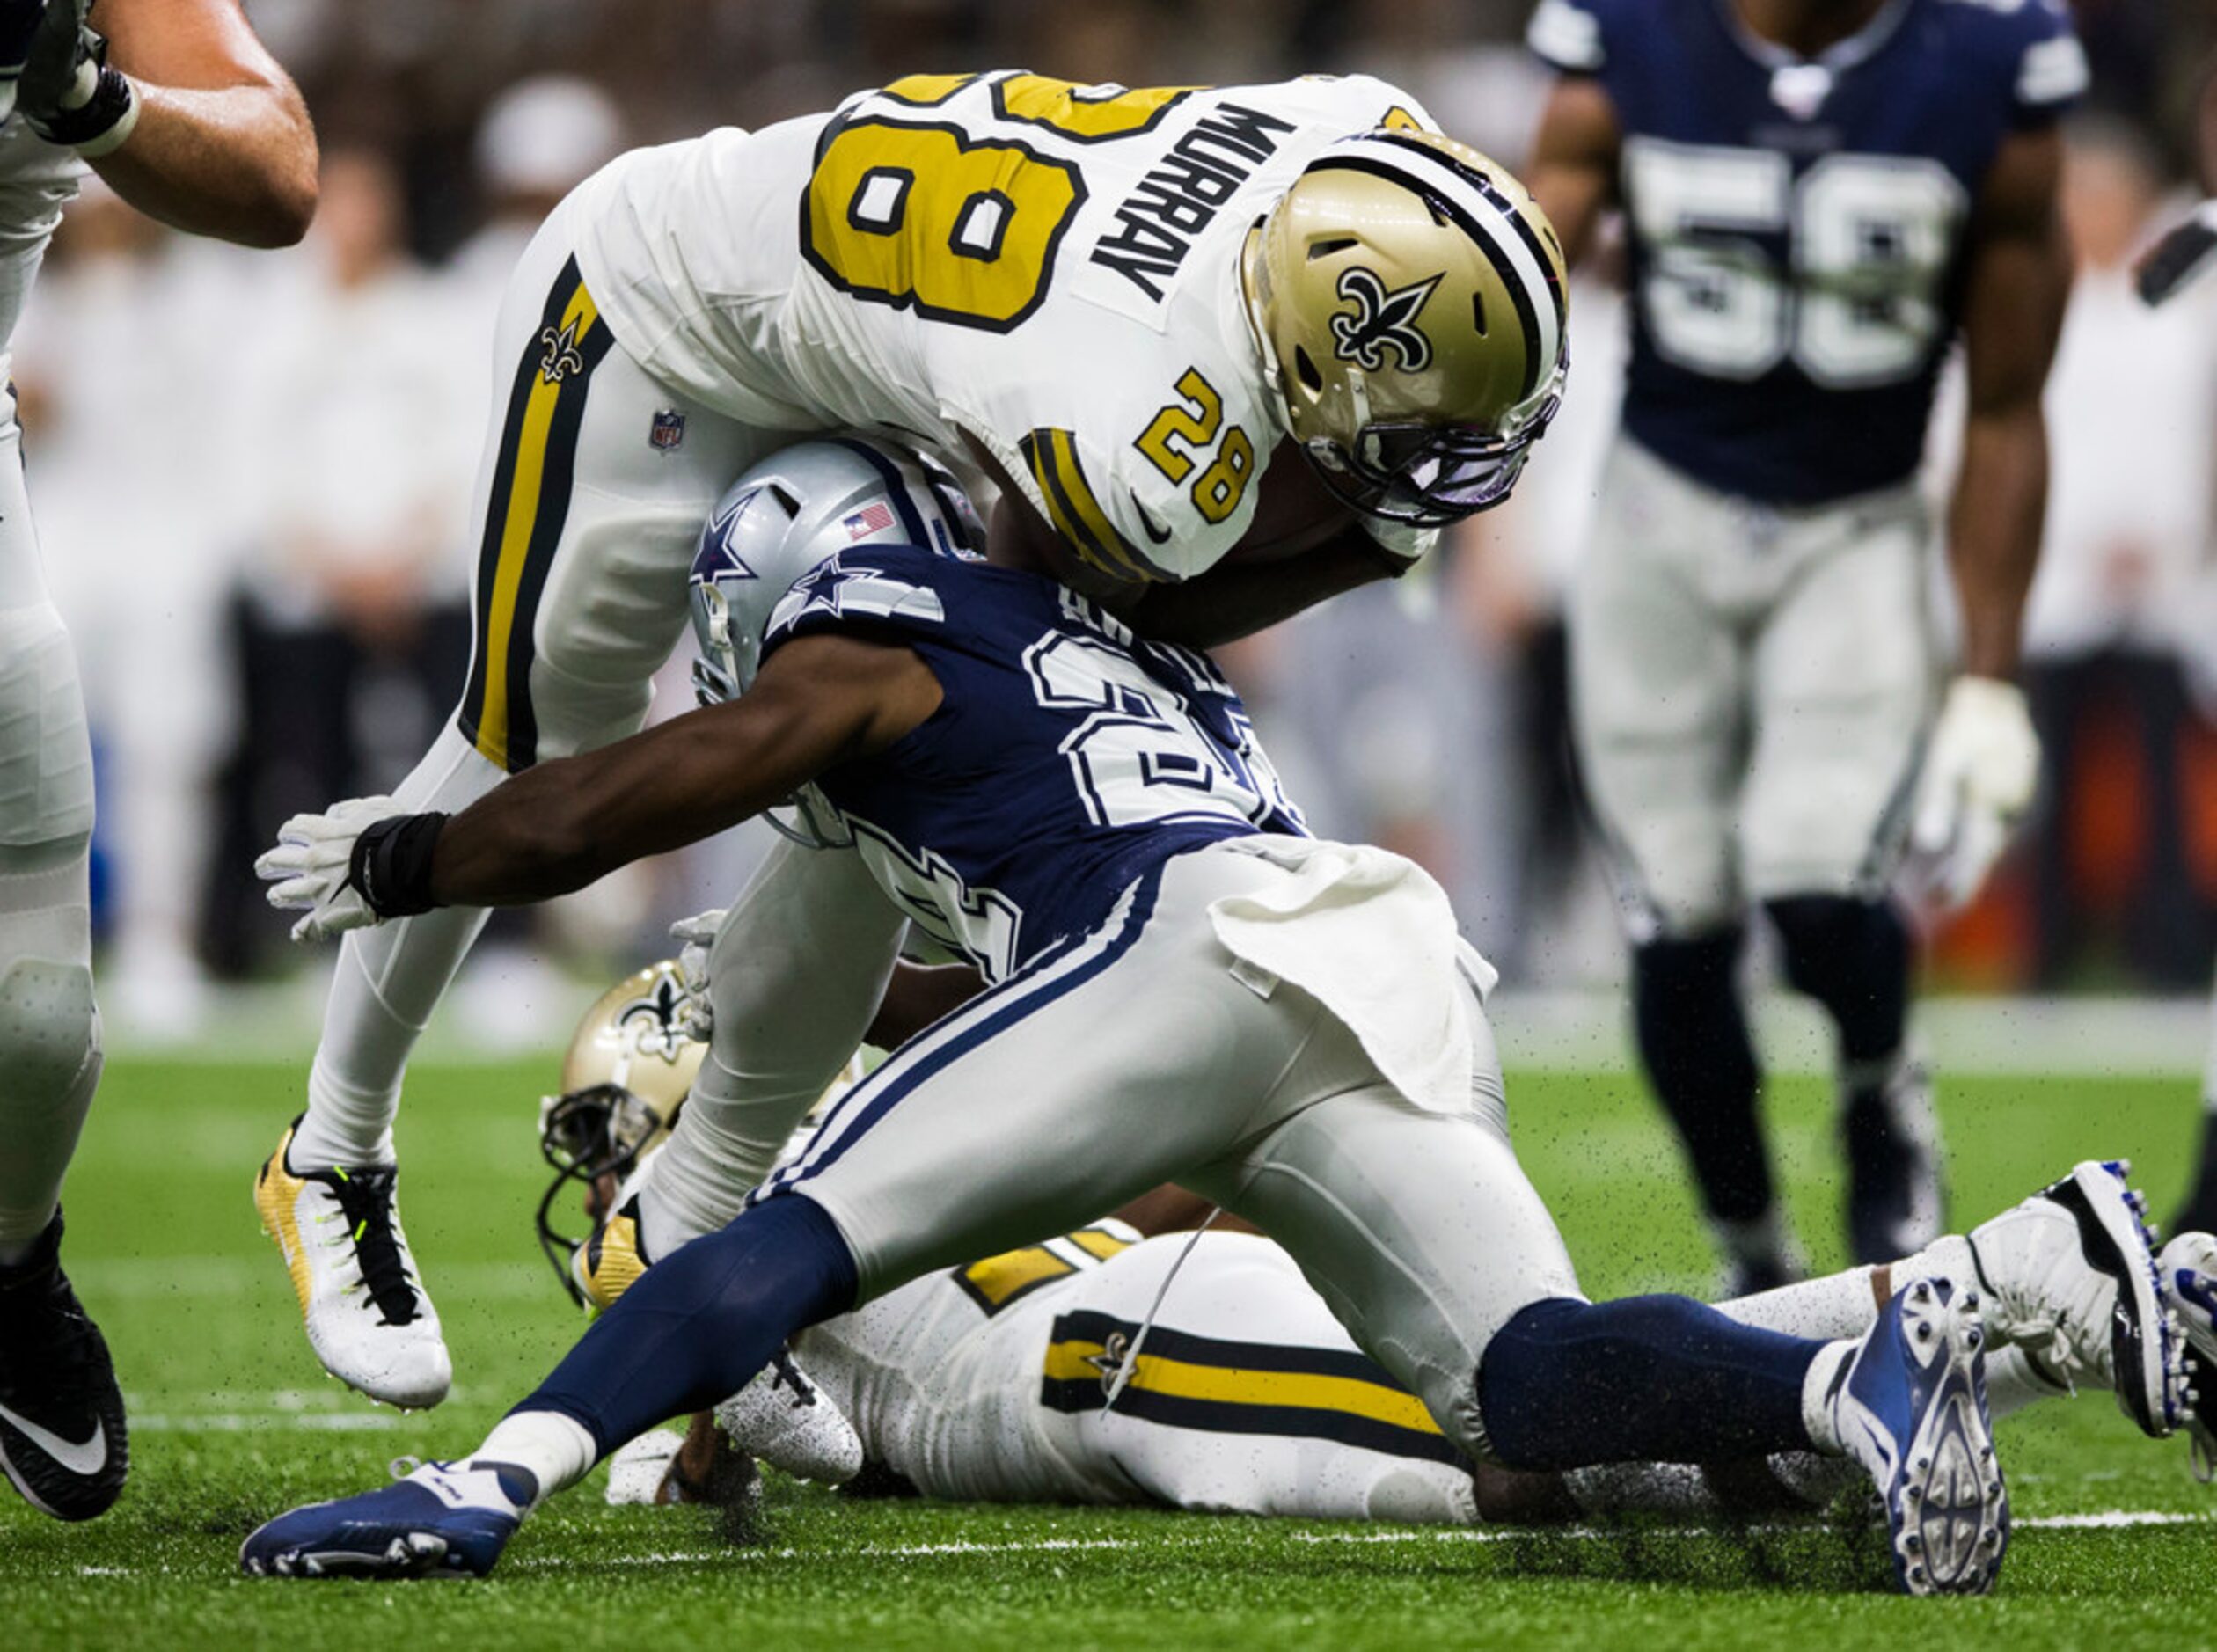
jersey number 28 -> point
(1869, 240)
(959, 227)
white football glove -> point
(1979, 775)
(694, 936)
(307, 871)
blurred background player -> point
(1819, 197)
(189, 120)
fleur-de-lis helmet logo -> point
(1381, 320)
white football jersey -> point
(896, 1367)
(37, 179)
(1051, 270)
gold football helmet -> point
(627, 1071)
(1409, 296)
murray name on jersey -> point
(1180, 195)
(1797, 226)
(1066, 759)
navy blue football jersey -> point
(1796, 228)
(1066, 758)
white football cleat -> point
(369, 1317)
(2069, 1276)
(2189, 1268)
(783, 1420)
(638, 1469)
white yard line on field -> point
(2106, 1520)
(2112, 1519)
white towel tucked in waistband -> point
(1373, 937)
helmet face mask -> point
(629, 1068)
(1408, 296)
(592, 1138)
(1428, 476)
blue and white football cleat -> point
(1911, 1408)
(2070, 1275)
(2189, 1268)
(444, 1519)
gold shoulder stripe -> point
(923, 91)
(1098, 1242)
(1076, 514)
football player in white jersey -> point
(1221, 353)
(1200, 1370)
(177, 107)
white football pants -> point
(1143, 1053)
(1751, 690)
(50, 1028)
(594, 484)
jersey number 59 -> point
(1869, 240)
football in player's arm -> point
(1982, 764)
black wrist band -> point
(110, 102)
(390, 866)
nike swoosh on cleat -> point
(88, 1459)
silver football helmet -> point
(791, 512)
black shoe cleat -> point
(62, 1442)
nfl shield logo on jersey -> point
(667, 431)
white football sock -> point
(794, 978)
(388, 982)
(1817, 1388)
(1836, 1306)
(556, 1449)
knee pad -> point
(1853, 957)
(49, 1030)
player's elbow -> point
(279, 212)
(281, 184)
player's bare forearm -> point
(2019, 280)
(916, 996)
(223, 145)
(1237, 599)
(1993, 533)
(817, 702)
(1573, 170)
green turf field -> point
(233, 1421)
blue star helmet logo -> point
(719, 557)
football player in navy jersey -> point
(1180, 986)
(1821, 197)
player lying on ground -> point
(1819, 198)
(1222, 353)
(991, 1382)
(179, 108)
(1183, 986)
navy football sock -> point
(1853, 957)
(1664, 1379)
(1694, 1044)
(702, 1321)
